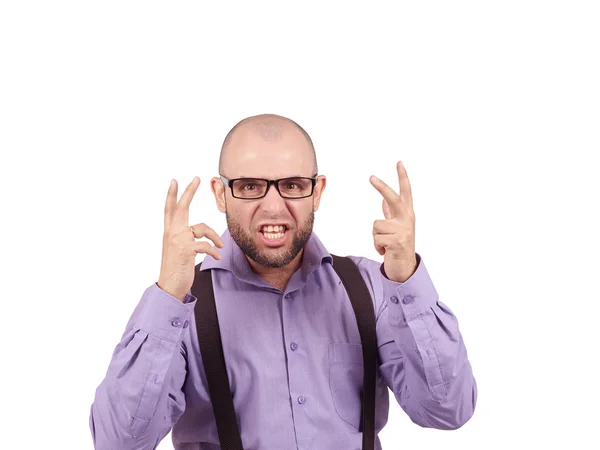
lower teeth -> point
(273, 235)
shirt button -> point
(408, 299)
(394, 299)
(176, 322)
(302, 400)
(293, 346)
(287, 296)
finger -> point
(386, 209)
(382, 241)
(170, 204)
(384, 227)
(405, 189)
(183, 207)
(207, 248)
(203, 230)
(402, 207)
(393, 200)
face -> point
(264, 251)
(250, 154)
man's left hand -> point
(394, 237)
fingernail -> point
(375, 179)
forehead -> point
(271, 153)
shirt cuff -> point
(411, 298)
(163, 315)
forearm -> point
(132, 408)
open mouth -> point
(274, 233)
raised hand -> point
(394, 237)
(179, 242)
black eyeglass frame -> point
(229, 182)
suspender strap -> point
(365, 318)
(209, 338)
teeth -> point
(273, 229)
(274, 235)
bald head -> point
(271, 128)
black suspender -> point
(209, 337)
(365, 318)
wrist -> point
(172, 292)
(401, 275)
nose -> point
(272, 201)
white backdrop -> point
(492, 106)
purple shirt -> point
(294, 360)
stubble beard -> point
(271, 258)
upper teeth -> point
(273, 228)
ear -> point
(218, 189)
(319, 188)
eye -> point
(249, 186)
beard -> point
(273, 258)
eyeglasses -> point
(253, 188)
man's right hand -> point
(179, 244)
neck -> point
(277, 277)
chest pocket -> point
(345, 380)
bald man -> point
(289, 334)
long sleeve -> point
(423, 356)
(141, 396)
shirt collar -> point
(234, 260)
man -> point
(289, 333)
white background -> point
(493, 106)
